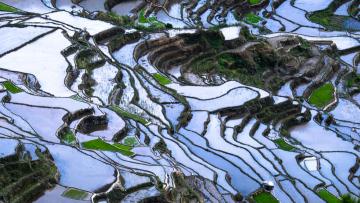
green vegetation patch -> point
(321, 17)
(236, 67)
(264, 197)
(23, 179)
(122, 40)
(161, 147)
(353, 80)
(7, 8)
(252, 18)
(122, 20)
(152, 22)
(99, 144)
(282, 144)
(68, 137)
(142, 18)
(347, 198)
(252, 2)
(322, 95)
(213, 40)
(303, 49)
(129, 115)
(246, 66)
(328, 19)
(76, 194)
(163, 80)
(89, 59)
(114, 18)
(131, 141)
(328, 197)
(11, 87)
(272, 112)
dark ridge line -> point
(28, 42)
(184, 151)
(217, 150)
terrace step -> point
(22, 183)
(31, 193)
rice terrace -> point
(167, 101)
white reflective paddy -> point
(208, 145)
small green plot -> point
(265, 197)
(131, 141)
(328, 197)
(11, 87)
(69, 137)
(122, 146)
(99, 144)
(252, 18)
(163, 80)
(142, 18)
(322, 96)
(282, 144)
(118, 18)
(114, 18)
(329, 19)
(129, 115)
(76, 194)
(7, 8)
(252, 2)
(152, 21)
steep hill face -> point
(264, 63)
(26, 175)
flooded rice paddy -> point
(109, 91)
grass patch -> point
(7, 8)
(328, 19)
(284, 145)
(89, 60)
(114, 18)
(142, 18)
(252, 2)
(122, 147)
(328, 197)
(76, 194)
(130, 141)
(69, 137)
(232, 67)
(322, 95)
(321, 17)
(11, 87)
(265, 197)
(163, 80)
(152, 22)
(126, 114)
(99, 144)
(251, 18)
